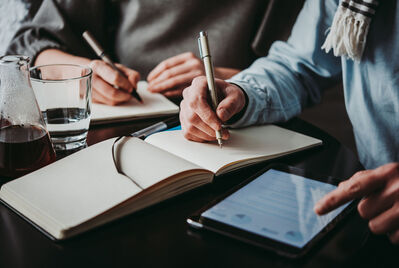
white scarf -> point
(348, 33)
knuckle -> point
(360, 173)
(164, 65)
(167, 74)
(190, 55)
(94, 64)
(199, 80)
(196, 63)
(185, 94)
(182, 106)
(353, 187)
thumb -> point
(228, 107)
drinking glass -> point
(63, 92)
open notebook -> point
(84, 190)
(154, 105)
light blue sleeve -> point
(295, 73)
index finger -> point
(111, 76)
(168, 63)
(132, 75)
(361, 184)
(197, 98)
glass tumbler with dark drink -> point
(24, 141)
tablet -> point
(274, 210)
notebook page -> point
(265, 141)
(74, 189)
(86, 184)
(147, 164)
(153, 105)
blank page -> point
(267, 141)
(85, 184)
(147, 164)
(153, 105)
(74, 189)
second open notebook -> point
(154, 105)
(84, 190)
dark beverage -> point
(23, 149)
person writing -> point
(150, 38)
(294, 75)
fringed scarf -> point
(348, 33)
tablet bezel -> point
(281, 248)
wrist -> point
(225, 73)
(240, 114)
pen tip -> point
(220, 143)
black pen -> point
(100, 52)
(160, 126)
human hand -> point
(105, 79)
(172, 75)
(198, 120)
(379, 189)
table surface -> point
(159, 235)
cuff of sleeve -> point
(246, 117)
(40, 46)
(34, 48)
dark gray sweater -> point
(142, 33)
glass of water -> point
(63, 92)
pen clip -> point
(200, 48)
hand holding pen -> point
(112, 83)
(202, 120)
(198, 120)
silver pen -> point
(210, 76)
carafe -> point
(24, 141)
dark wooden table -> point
(159, 236)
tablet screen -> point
(276, 205)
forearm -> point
(294, 74)
(56, 26)
(53, 56)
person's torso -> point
(372, 90)
(150, 31)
